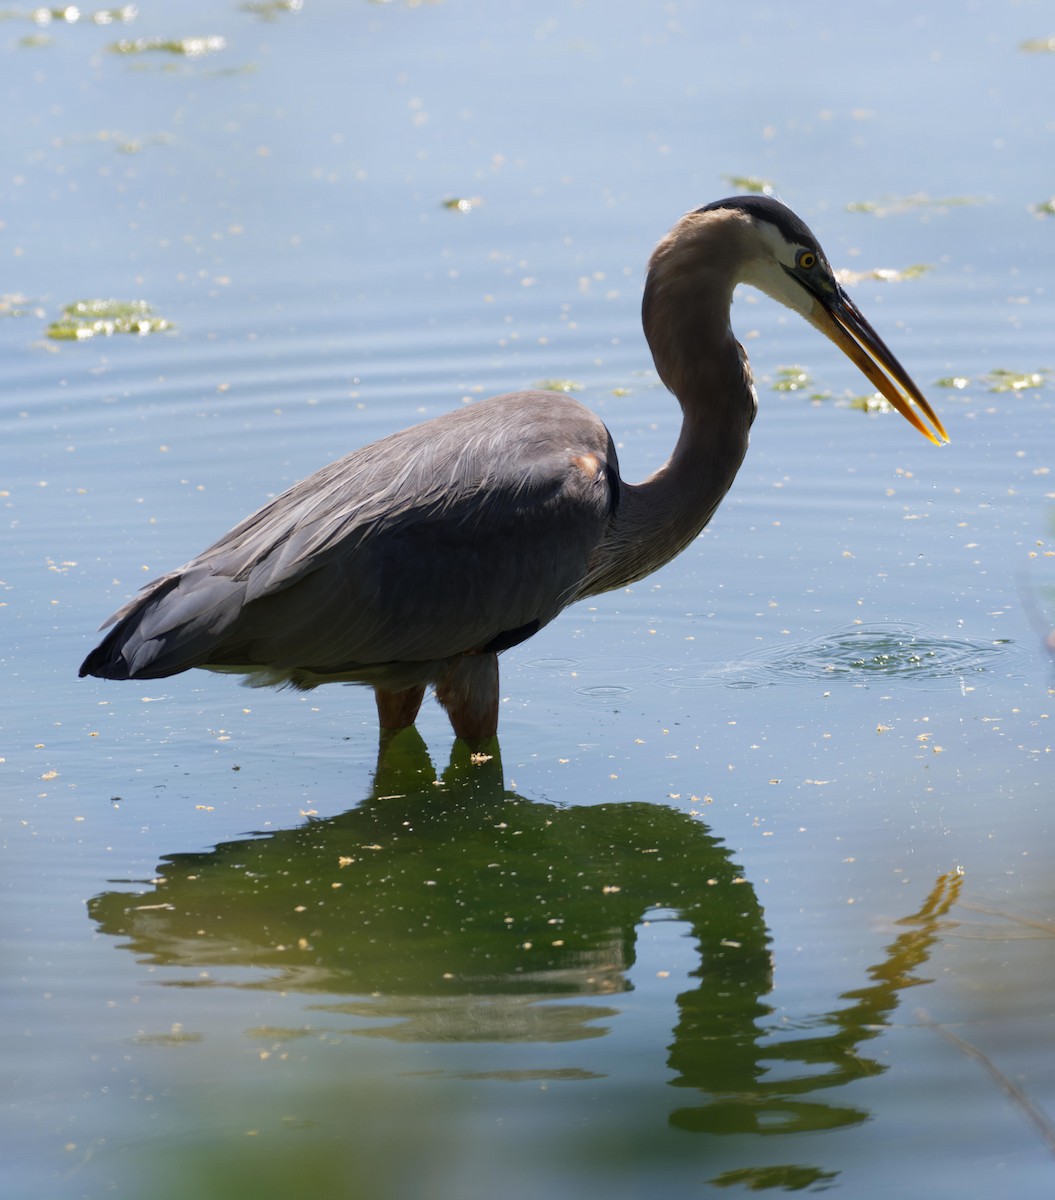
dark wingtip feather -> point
(132, 648)
(88, 666)
(106, 661)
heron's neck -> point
(659, 517)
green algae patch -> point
(103, 318)
(873, 402)
(190, 47)
(884, 274)
(72, 15)
(790, 1178)
(1002, 380)
(14, 304)
(270, 10)
(791, 379)
(559, 385)
(462, 204)
(893, 205)
(751, 183)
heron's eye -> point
(806, 259)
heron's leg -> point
(397, 710)
(469, 693)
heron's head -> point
(776, 252)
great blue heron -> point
(417, 560)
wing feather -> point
(439, 540)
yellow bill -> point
(840, 320)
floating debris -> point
(1044, 209)
(123, 143)
(874, 402)
(176, 1036)
(998, 380)
(190, 47)
(751, 183)
(135, 145)
(463, 204)
(893, 205)
(559, 385)
(788, 1178)
(1038, 46)
(1001, 380)
(13, 304)
(70, 14)
(102, 318)
(268, 10)
(791, 379)
(883, 274)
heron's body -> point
(416, 560)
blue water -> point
(762, 826)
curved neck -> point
(686, 323)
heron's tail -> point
(174, 624)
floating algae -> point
(93, 318)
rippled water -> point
(860, 655)
(756, 894)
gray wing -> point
(466, 533)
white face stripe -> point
(770, 277)
(766, 270)
(782, 250)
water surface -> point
(761, 828)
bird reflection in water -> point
(468, 913)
